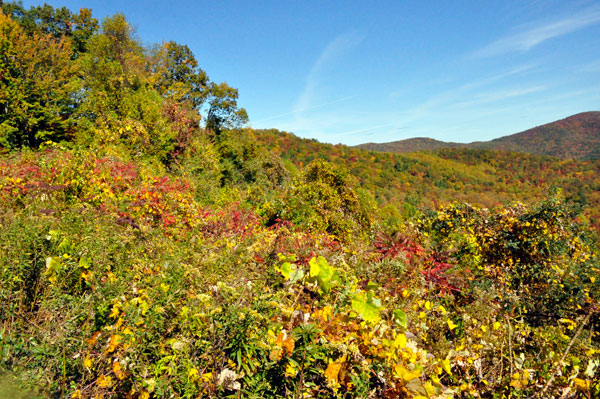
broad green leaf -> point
(65, 247)
(400, 318)
(290, 272)
(285, 270)
(315, 267)
(53, 265)
(365, 308)
(296, 275)
(323, 273)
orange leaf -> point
(333, 370)
(113, 342)
(91, 341)
(276, 354)
(118, 370)
(288, 345)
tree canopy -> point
(67, 78)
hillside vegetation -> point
(575, 137)
(406, 182)
(153, 246)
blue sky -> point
(375, 71)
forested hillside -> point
(154, 246)
(482, 177)
(410, 145)
(575, 137)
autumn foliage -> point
(153, 247)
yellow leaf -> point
(446, 366)
(496, 325)
(429, 388)
(290, 370)
(115, 310)
(399, 341)
(405, 374)
(451, 324)
(581, 385)
(193, 374)
(104, 381)
(516, 384)
(76, 394)
(87, 362)
(87, 276)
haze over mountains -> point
(575, 137)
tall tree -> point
(58, 22)
(120, 105)
(36, 87)
(178, 75)
(223, 110)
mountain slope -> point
(411, 145)
(575, 137)
(477, 176)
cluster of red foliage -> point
(434, 266)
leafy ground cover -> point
(118, 282)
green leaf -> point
(290, 272)
(65, 247)
(296, 274)
(85, 263)
(400, 318)
(285, 270)
(315, 267)
(323, 273)
(53, 265)
(365, 308)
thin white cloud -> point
(397, 93)
(526, 40)
(339, 100)
(494, 78)
(300, 119)
(468, 94)
(333, 50)
(499, 95)
(356, 131)
(593, 66)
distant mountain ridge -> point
(575, 137)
